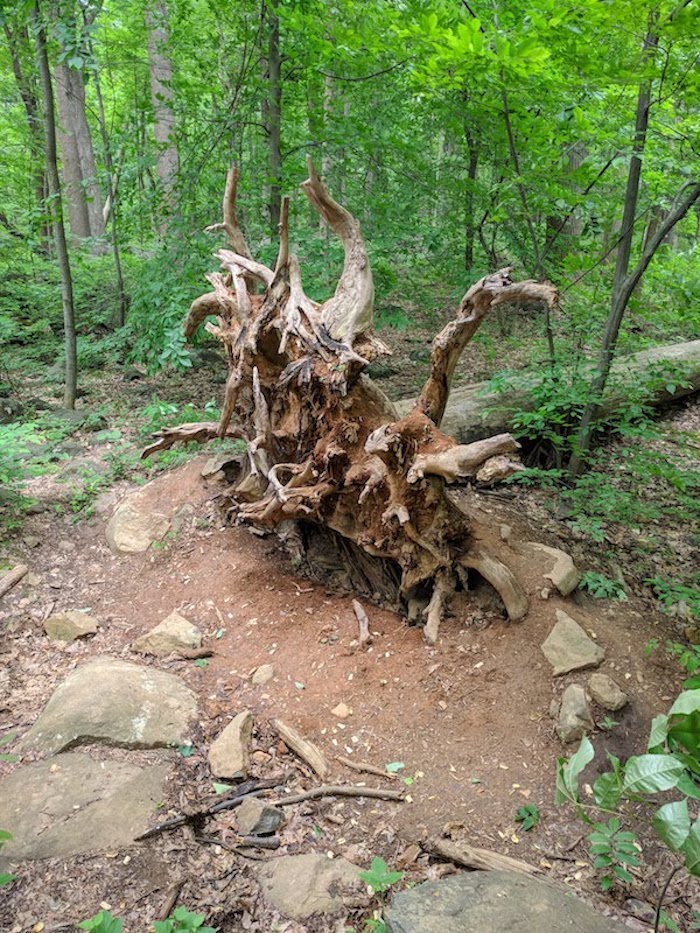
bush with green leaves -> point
(180, 921)
(602, 587)
(378, 877)
(671, 764)
(528, 816)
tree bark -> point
(274, 114)
(59, 232)
(470, 191)
(163, 103)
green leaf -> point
(221, 788)
(528, 816)
(672, 823)
(659, 730)
(607, 790)
(7, 738)
(686, 703)
(568, 772)
(649, 774)
(686, 785)
(691, 849)
(185, 750)
(5, 879)
(394, 766)
(687, 733)
(201, 662)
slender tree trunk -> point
(620, 289)
(163, 99)
(469, 219)
(59, 232)
(274, 115)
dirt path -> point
(468, 718)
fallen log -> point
(475, 858)
(477, 411)
(358, 494)
(12, 578)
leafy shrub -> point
(602, 587)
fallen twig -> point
(339, 790)
(249, 789)
(365, 636)
(472, 857)
(305, 749)
(12, 577)
(362, 767)
(171, 899)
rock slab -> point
(229, 755)
(487, 902)
(302, 885)
(560, 569)
(173, 635)
(568, 647)
(263, 674)
(114, 703)
(133, 528)
(73, 804)
(67, 626)
(606, 692)
(574, 715)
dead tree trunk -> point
(355, 491)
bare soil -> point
(469, 718)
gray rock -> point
(492, 902)
(31, 540)
(255, 818)
(302, 885)
(72, 804)
(263, 674)
(173, 635)
(114, 703)
(132, 528)
(229, 755)
(574, 715)
(559, 568)
(214, 465)
(67, 626)
(606, 692)
(568, 647)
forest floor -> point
(468, 720)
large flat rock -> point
(490, 902)
(72, 804)
(569, 648)
(114, 703)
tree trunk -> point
(469, 219)
(59, 232)
(163, 101)
(274, 114)
(358, 494)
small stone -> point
(506, 531)
(67, 626)
(301, 885)
(262, 674)
(341, 711)
(173, 635)
(255, 818)
(568, 647)
(31, 541)
(32, 579)
(560, 570)
(574, 715)
(229, 755)
(554, 709)
(606, 692)
(214, 465)
(545, 593)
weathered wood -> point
(474, 411)
(306, 750)
(12, 577)
(478, 859)
(329, 465)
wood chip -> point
(480, 859)
(12, 577)
(306, 750)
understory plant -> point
(670, 765)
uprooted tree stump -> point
(358, 495)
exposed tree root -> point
(352, 488)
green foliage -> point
(670, 593)
(378, 878)
(613, 850)
(182, 921)
(528, 816)
(602, 587)
(103, 922)
(5, 740)
(671, 763)
(5, 878)
(688, 656)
